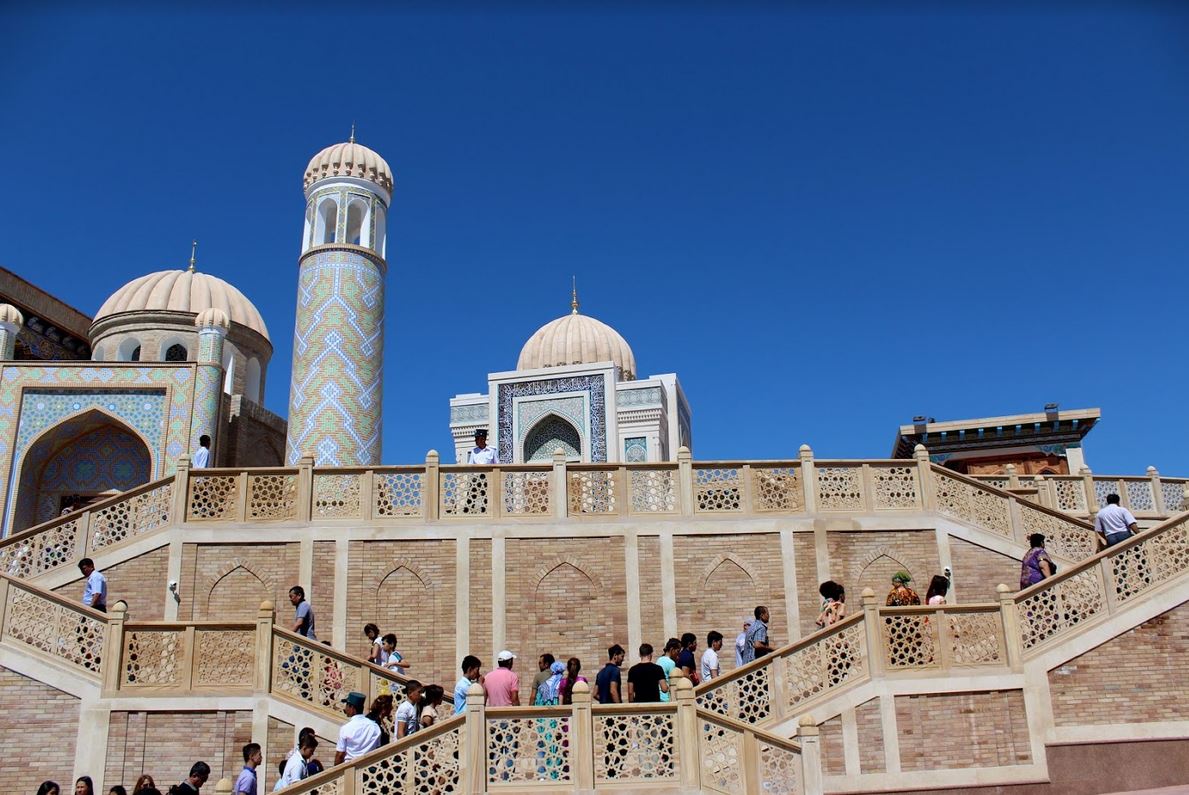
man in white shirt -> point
(359, 734)
(95, 588)
(741, 642)
(296, 767)
(1114, 523)
(710, 669)
(481, 453)
(202, 456)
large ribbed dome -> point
(577, 339)
(183, 291)
(349, 160)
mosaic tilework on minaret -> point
(338, 341)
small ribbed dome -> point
(10, 314)
(213, 318)
(183, 291)
(349, 160)
(577, 339)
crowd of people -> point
(199, 773)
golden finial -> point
(193, 251)
(352, 139)
(573, 295)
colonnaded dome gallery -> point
(876, 633)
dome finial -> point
(573, 295)
(352, 139)
(193, 252)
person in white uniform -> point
(202, 456)
(358, 735)
(481, 453)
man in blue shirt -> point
(245, 784)
(303, 616)
(609, 682)
(470, 675)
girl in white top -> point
(376, 653)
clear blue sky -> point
(824, 221)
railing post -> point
(474, 759)
(3, 604)
(83, 534)
(1015, 515)
(181, 491)
(1088, 487)
(1157, 492)
(113, 647)
(685, 477)
(875, 650)
(811, 755)
(582, 744)
(305, 488)
(224, 786)
(367, 496)
(1010, 619)
(243, 498)
(925, 476)
(808, 478)
(560, 495)
(753, 776)
(1043, 495)
(264, 621)
(433, 484)
(690, 774)
(1013, 481)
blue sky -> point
(826, 219)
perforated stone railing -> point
(173, 657)
(53, 627)
(65, 540)
(318, 677)
(583, 747)
(1150, 496)
(1010, 515)
(1102, 585)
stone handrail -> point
(54, 627)
(1149, 496)
(67, 539)
(1010, 515)
(582, 747)
(1102, 585)
(870, 644)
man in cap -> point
(502, 685)
(359, 734)
(481, 453)
(741, 642)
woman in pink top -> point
(573, 666)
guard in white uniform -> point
(481, 453)
(475, 500)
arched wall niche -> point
(552, 432)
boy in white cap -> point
(502, 685)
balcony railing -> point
(1150, 496)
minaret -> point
(338, 341)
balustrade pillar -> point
(3, 604)
(224, 786)
(582, 739)
(1010, 619)
(690, 771)
(560, 495)
(433, 485)
(473, 761)
(1088, 488)
(875, 650)
(1013, 481)
(264, 621)
(809, 736)
(808, 478)
(181, 491)
(113, 647)
(925, 476)
(305, 488)
(685, 479)
(1157, 493)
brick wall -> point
(808, 600)
(165, 744)
(833, 761)
(41, 744)
(229, 581)
(861, 560)
(1137, 677)
(870, 726)
(479, 609)
(322, 589)
(720, 580)
(406, 587)
(959, 730)
(978, 570)
(652, 616)
(141, 582)
(564, 596)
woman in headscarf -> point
(1036, 564)
(901, 595)
(549, 754)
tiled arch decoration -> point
(593, 385)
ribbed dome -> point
(183, 291)
(577, 339)
(349, 160)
